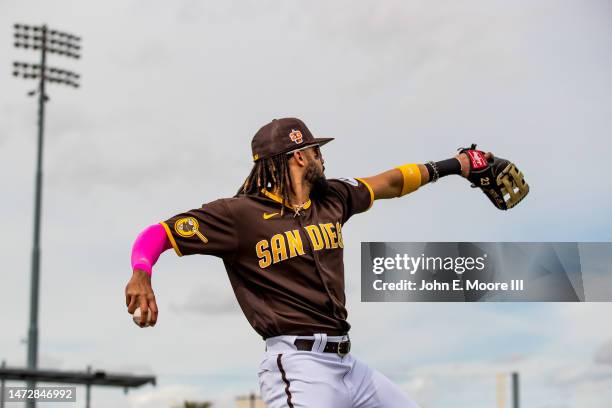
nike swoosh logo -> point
(267, 216)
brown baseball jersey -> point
(287, 271)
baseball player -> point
(281, 242)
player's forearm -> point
(408, 178)
(390, 183)
(424, 174)
(147, 248)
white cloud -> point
(603, 355)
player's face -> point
(315, 172)
(314, 163)
(316, 151)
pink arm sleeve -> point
(148, 246)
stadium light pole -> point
(515, 391)
(44, 40)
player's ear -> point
(300, 157)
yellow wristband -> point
(412, 178)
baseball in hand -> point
(136, 317)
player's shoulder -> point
(343, 181)
(351, 187)
(239, 203)
(218, 205)
(222, 208)
(225, 202)
(345, 185)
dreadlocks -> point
(271, 173)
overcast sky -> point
(172, 93)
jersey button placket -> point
(315, 256)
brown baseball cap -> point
(282, 136)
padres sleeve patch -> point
(188, 227)
(208, 230)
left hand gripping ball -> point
(136, 317)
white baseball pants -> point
(289, 378)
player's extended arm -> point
(146, 250)
(409, 177)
